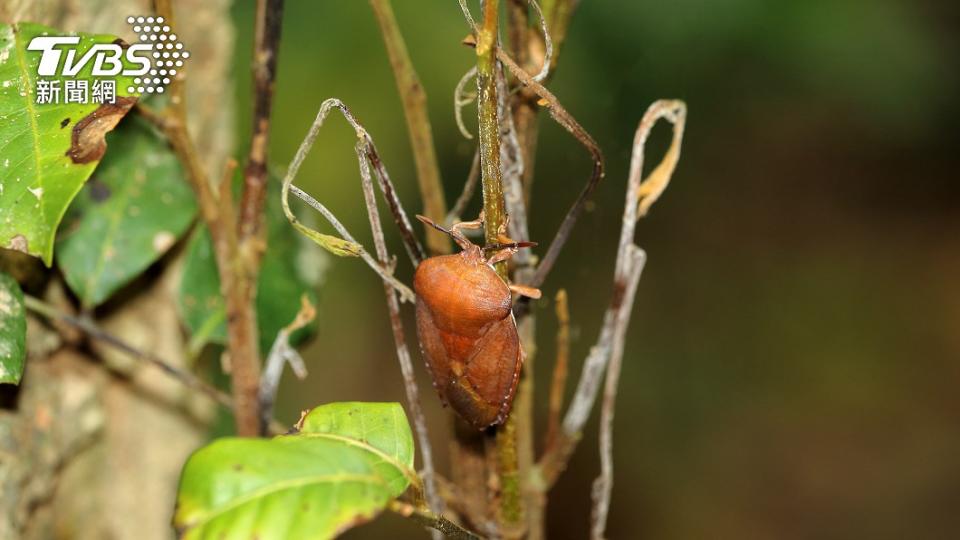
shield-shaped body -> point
(468, 335)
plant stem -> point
(241, 298)
(489, 127)
(91, 329)
(559, 380)
(435, 521)
(565, 119)
(610, 343)
(266, 45)
(510, 509)
(185, 377)
(418, 124)
(396, 324)
(241, 317)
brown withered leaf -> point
(88, 142)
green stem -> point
(510, 509)
(489, 128)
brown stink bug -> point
(466, 327)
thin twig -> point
(557, 14)
(396, 324)
(521, 41)
(406, 294)
(281, 354)
(414, 101)
(524, 101)
(559, 379)
(633, 261)
(517, 156)
(238, 290)
(188, 379)
(347, 245)
(569, 123)
(512, 166)
(367, 157)
(461, 99)
(548, 45)
(613, 331)
(467, 15)
(522, 420)
(410, 242)
(267, 29)
(91, 329)
(174, 126)
(433, 520)
(630, 261)
(535, 52)
(250, 223)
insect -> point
(467, 332)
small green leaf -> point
(354, 459)
(133, 210)
(279, 287)
(201, 303)
(47, 151)
(13, 330)
(334, 244)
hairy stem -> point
(510, 505)
(418, 124)
(489, 127)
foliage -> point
(282, 281)
(340, 468)
(48, 150)
(132, 212)
(13, 330)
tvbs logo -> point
(106, 57)
(153, 61)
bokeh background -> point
(792, 365)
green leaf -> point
(334, 244)
(281, 283)
(347, 463)
(133, 210)
(13, 330)
(47, 151)
(382, 427)
(201, 305)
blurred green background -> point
(791, 369)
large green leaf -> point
(13, 330)
(347, 462)
(382, 427)
(130, 213)
(47, 151)
(282, 282)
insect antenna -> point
(457, 236)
